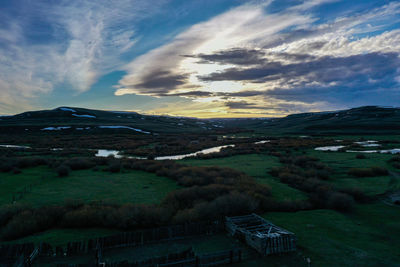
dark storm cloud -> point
(266, 109)
(346, 95)
(240, 105)
(162, 80)
(367, 68)
(193, 94)
(241, 94)
(248, 57)
(236, 56)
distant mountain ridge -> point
(69, 118)
(361, 120)
(367, 119)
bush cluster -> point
(63, 170)
(307, 174)
(368, 172)
(395, 161)
(11, 164)
(361, 156)
(209, 192)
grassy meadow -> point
(257, 166)
(366, 235)
(44, 187)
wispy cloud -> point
(85, 40)
(245, 53)
(248, 60)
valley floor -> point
(365, 235)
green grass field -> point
(257, 166)
(342, 162)
(44, 187)
(366, 237)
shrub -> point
(356, 193)
(378, 171)
(114, 167)
(29, 221)
(6, 165)
(368, 172)
(396, 165)
(340, 201)
(395, 162)
(63, 171)
(79, 164)
(31, 162)
(360, 156)
(230, 204)
(395, 159)
(8, 211)
(304, 161)
(16, 170)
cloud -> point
(64, 43)
(162, 79)
(236, 56)
(241, 105)
(247, 57)
(364, 68)
(239, 26)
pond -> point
(329, 148)
(14, 146)
(107, 153)
(204, 151)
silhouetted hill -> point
(71, 118)
(362, 120)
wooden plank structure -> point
(261, 234)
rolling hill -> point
(362, 120)
(71, 118)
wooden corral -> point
(261, 234)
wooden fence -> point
(13, 252)
(148, 236)
(186, 258)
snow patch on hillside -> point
(124, 127)
(56, 128)
(83, 116)
(67, 109)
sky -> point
(199, 58)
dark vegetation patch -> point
(395, 162)
(309, 175)
(361, 156)
(275, 145)
(63, 170)
(132, 144)
(368, 172)
(208, 193)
